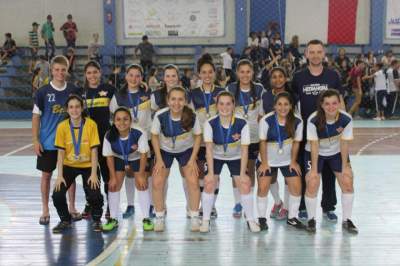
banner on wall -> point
(173, 18)
(393, 19)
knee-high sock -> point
(294, 204)
(236, 195)
(347, 205)
(247, 203)
(130, 190)
(262, 204)
(113, 202)
(311, 205)
(286, 198)
(144, 202)
(207, 200)
(274, 189)
(185, 189)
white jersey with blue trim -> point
(334, 131)
(137, 141)
(166, 128)
(238, 135)
(268, 132)
(244, 100)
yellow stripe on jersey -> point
(286, 141)
(145, 105)
(98, 102)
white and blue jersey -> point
(49, 104)
(156, 99)
(173, 138)
(138, 102)
(273, 133)
(267, 102)
(334, 131)
(247, 107)
(220, 136)
(134, 145)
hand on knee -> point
(209, 186)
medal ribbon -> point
(228, 133)
(77, 144)
(135, 106)
(171, 127)
(242, 103)
(278, 130)
(125, 149)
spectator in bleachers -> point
(71, 60)
(380, 89)
(94, 49)
(34, 45)
(266, 72)
(264, 41)
(246, 54)
(344, 70)
(227, 60)
(44, 66)
(293, 53)
(221, 79)
(275, 48)
(342, 57)
(370, 59)
(114, 78)
(147, 54)
(8, 50)
(152, 80)
(36, 81)
(186, 78)
(356, 76)
(253, 40)
(387, 58)
(47, 32)
(393, 82)
(70, 31)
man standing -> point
(47, 35)
(308, 84)
(34, 45)
(146, 53)
(227, 59)
(70, 31)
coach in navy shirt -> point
(307, 85)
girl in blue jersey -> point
(280, 135)
(227, 139)
(170, 80)
(203, 102)
(126, 150)
(136, 97)
(176, 134)
(329, 131)
(248, 102)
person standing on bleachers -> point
(147, 53)
(47, 35)
(70, 31)
(34, 45)
(8, 50)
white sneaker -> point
(195, 224)
(159, 224)
(377, 118)
(253, 226)
(187, 212)
(205, 226)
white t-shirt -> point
(380, 81)
(392, 76)
(227, 60)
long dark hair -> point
(187, 113)
(124, 88)
(91, 63)
(205, 59)
(163, 89)
(290, 119)
(113, 133)
(80, 100)
(321, 118)
(253, 94)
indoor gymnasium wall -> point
(17, 17)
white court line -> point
(17, 150)
(369, 144)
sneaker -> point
(282, 215)
(97, 227)
(275, 210)
(214, 213)
(205, 226)
(110, 225)
(349, 227)
(303, 215)
(377, 119)
(61, 227)
(311, 226)
(130, 210)
(107, 215)
(296, 223)
(195, 224)
(187, 213)
(152, 214)
(159, 224)
(263, 223)
(86, 212)
(148, 224)
(253, 226)
(331, 216)
(237, 210)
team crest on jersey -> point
(103, 93)
(144, 98)
(236, 137)
(134, 147)
(339, 129)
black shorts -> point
(47, 162)
(181, 157)
(233, 166)
(119, 165)
(285, 170)
(254, 148)
(201, 156)
(334, 162)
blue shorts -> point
(254, 148)
(233, 166)
(285, 170)
(182, 157)
(334, 162)
(201, 156)
(119, 165)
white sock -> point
(294, 204)
(236, 195)
(262, 204)
(130, 190)
(274, 189)
(165, 192)
(347, 205)
(113, 201)
(184, 185)
(247, 203)
(150, 184)
(193, 214)
(286, 198)
(201, 183)
(207, 200)
(311, 205)
(144, 202)
(160, 214)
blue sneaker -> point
(237, 210)
(303, 215)
(130, 210)
(331, 216)
(152, 213)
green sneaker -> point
(110, 225)
(148, 225)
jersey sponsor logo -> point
(314, 89)
(236, 136)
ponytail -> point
(188, 116)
